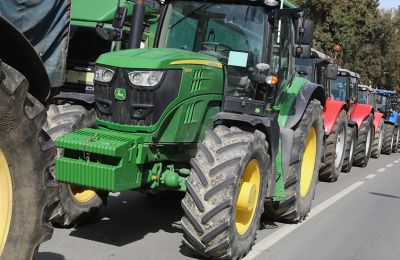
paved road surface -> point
(357, 217)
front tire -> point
(226, 190)
(305, 161)
(350, 147)
(364, 142)
(378, 140)
(77, 205)
(396, 140)
(388, 139)
(335, 149)
(26, 196)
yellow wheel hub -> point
(82, 194)
(308, 163)
(247, 201)
(5, 200)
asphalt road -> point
(357, 217)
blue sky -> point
(389, 3)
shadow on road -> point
(385, 195)
(130, 216)
(48, 256)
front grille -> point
(143, 106)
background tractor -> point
(95, 29)
(387, 104)
(360, 131)
(319, 69)
(367, 95)
(214, 110)
(27, 72)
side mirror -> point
(304, 37)
(331, 71)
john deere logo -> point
(120, 94)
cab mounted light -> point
(271, 2)
(272, 80)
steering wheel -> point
(216, 46)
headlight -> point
(103, 74)
(145, 78)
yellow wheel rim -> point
(82, 194)
(5, 200)
(308, 163)
(247, 201)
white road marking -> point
(397, 161)
(389, 165)
(370, 176)
(381, 170)
(282, 232)
(114, 194)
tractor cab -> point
(318, 68)
(367, 95)
(345, 87)
(387, 103)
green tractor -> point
(215, 110)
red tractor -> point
(367, 95)
(360, 130)
(319, 69)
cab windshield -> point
(363, 96)
(305, 68)
(339, 88)
(232, 33)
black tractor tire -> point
(378, 140)
(26, 195)
(388, 139)
(70, 211)
(296, 207)
(210, 205)
(364, 142)
(396, 140)
(333, 165)
(350, 148)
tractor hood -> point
(99, 11)
(156, 59)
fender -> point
(377, 119)
(394, 118)
(360, 113)
(85, 98)
(18, 52)
(268, 126)
(307, 92)
(331, 111)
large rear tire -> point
(335, 149)
(226, 190)
(378, 140)
(77, 205)
(350, 147)
(26, 195)
(305, 162)
(388, 139)
(364, 142)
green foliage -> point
(369, 37)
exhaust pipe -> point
(137, 21)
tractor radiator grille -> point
(143, 106)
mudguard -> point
(307, 92)
(360, 112)
(268, 126)
(377, 119)
(394, 117)
(331, 111)
(45, 23)
(18, 52)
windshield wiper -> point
(189, 14)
